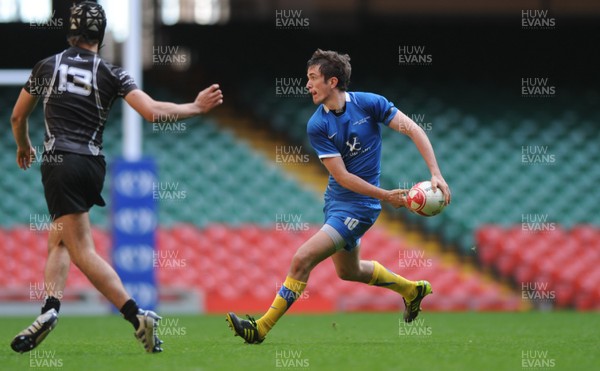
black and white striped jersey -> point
(78, 89)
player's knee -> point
(53, 245)
(77, 259)
(301, 264)
(347, 274)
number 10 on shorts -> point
(351, 223)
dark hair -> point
(332, 64)
(75, 40)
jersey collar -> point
(347, 100)
(79, 50)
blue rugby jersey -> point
(355, 135)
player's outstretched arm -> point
(149, 108)
(407, 126)
(337, 169)
(20, 128)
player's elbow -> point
(415, 131)
(159, 112)
(149, 116)
(150, 113)
(16, 119)
(143, 104)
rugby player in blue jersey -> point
(345, 131)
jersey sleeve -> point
(125, 83)
(379, 107)
(39, 80)
(317, 135)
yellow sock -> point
(390, 280)
(289, 292)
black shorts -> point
(72, 182)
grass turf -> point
(370, 341)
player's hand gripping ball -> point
(422, 200)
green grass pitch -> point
(361, 341)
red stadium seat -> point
(566, 260)
(220, 260)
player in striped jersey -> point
(77, 88)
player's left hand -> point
(438, 182)
(25, 156)
(209, 98)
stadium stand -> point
(557, 267)
(227, 279)
(219, 179)
(488, 159)
(230, 208)
(232, 188)
(494, 158)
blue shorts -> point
(350, 220)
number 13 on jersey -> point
(81, 83)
